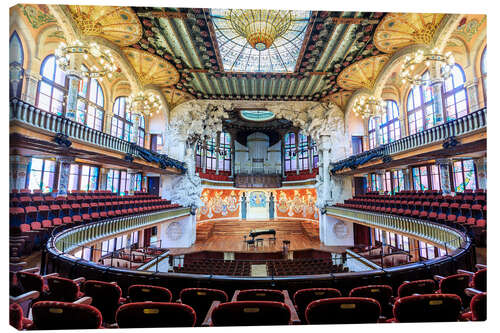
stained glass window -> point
(52, 88)
(390, 126)
(90, 105)
(420, 107)
(397, 180)
(211, 154)
(41, 174)
(142, 132)
(483, 74)
(74, 174)
(199, 148)
(225, 152)
(435, 178)
(257, 115)
(290, 152)
(121, 124)
(89, 178)
(455, 94)
(314, 149)
(238, 55)
(374, 182)
(138, 182)
(303, 152)
(420, 178)
(387, 181)
(464, 175)
(113, 181)
(372, 132)
(16, 61)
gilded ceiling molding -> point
(151, 69)
(29, 44)
(175, 97)
(119, 25)
(65, 22)
(445, 30)
(340, 98)
(362, 74)
(398, 30)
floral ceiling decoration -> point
(362, 74)
(120, 25)
(175, 97)
(340, 98)
(398, 30)
(152, 69)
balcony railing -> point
(469, 123)
(34, 117)
(443, 236)
(76, 237)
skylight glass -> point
(257, 115)
(239, 56)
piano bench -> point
(259, 241)
(273, 240)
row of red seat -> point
(459, 198)
(24, 201)
(364, 304)
(27, 191)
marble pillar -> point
(18, 171)
(406, 178)
(103, 179)
(437, 102)
(64, 170)
(135, 130)
(380, 181)
(72, 98)
(444, 173)
(131, 176)
(15, 79)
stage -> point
(229, 236)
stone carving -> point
(174, 231)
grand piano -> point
(255, 233)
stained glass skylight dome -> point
(259, 40)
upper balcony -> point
(35, 132)
(464, 135)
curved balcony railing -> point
(469, 123)
(49, 122)
(437, 234)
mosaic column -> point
(131, 175)
(15, 79)
(232, 154)
(481, 172)
(103, 179)
(297, 152)
(406, 179)
(31, 87)
(380, 181)
(444, 172)
(378, 132)
(64, 169)
(135, 130)
(72, 100)
(18, 171)
(472, 94)
(437, 103)
(217, 153)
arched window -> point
(290, 152)
(314, 150)
(372, 132)
(52, 88)
(141, 131)
(483, 74)
(420, 107)
(303, 152)
(390, 126)
(121, 125)
(211, 154)
(90, 108)
(455, 95)
(225, 152)
(16, 61)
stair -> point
(243, 228)
(204, 231)
(311, 229)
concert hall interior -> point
(176, 167)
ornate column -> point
(283, 174)
(204, 157)
(232, 154)
(18, 171)
(481, 172)
(380, 180)
(131, 175)
(406, 178)
(31, 87)
(103, 179)
(472, 94)
(135, 130)
(72, 99)
(297, 151)
(15, 79)
(217, 153)
(444, 172)
(439, 117)
(309, 154)
(64, 169)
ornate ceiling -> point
(191, 53)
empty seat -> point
(343, 310)
(381, 293)
(427, 286)
(62, 289)
(251, 313)
(144, 293)
(261, 295)
(427, 308)
(17, 319)
(200, 299)
(30, 281)
(51, 315)
(454, 284)
(105, 296)
(155, 314)
(302, 298)
(479, 280)
(477, 308)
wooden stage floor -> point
(228, 236)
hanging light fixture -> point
(70, 58)
(367, 107)
(145, 103)
(444, 63)
(260, 27)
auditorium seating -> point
(148, 293)
(427, 308)
(106, 297)
(302, 298)
(50, 315)
(409, 288)
(200, 299)
(248, 313)
(343, 310)
(155, 314)
(383, 294)
(477, 308)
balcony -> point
(446, 135)
(65, 131)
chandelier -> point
(444, 64)
(260, 27)
(367, 107)
(70, 59)
(145, 103)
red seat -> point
(30, 281)
(343, 310)
(77, 219)
(427, 308)
(57, 221)
(261, 295)
(106, 297)
(477, 308)
(454, 284)
(67, 220)
(50, 315)
(200, 299)
(17, 319)
(155, 314)
(381, 293)
(302, 298)
(479, 280)
(427, 286)
(145, 293)
(62, 289)
(251, 313)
